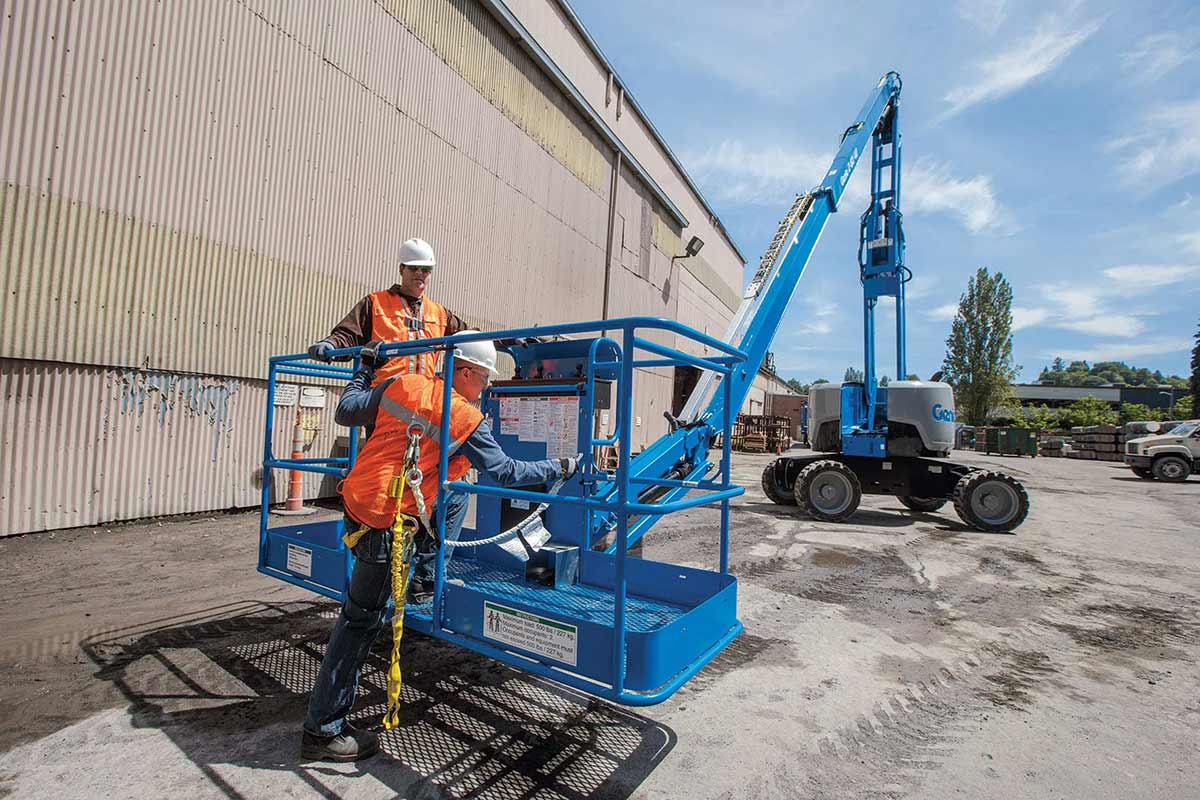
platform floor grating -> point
(581, 601)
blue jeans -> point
(363, 614)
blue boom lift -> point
(887, 439)
(579, 610)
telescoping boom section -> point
(767, 296)
(543, 580)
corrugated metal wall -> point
(188, 188)
(86, 445)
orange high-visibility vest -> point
(393, 321)
(409, 400)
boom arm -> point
(685, 449)
(767, 296)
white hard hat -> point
(417, 253)
(481, 353)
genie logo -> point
(942, 414)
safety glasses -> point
(422, 270)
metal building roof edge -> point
(587, 37)
(507, 18)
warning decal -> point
(299, 559)
(547, 637)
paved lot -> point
(900, 655)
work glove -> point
(321, 350)
(570, 466)
(370, 355)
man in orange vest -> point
(402, 406)
(398, 314)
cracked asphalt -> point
(900, 654)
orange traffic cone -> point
(294, 507)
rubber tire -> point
(1143, 472)
(969, 483)
(779, 495)
(925, 504)
(804, 481)
(1160, 464)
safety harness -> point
(404, 533)
(521, 541)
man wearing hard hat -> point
(402, 407)
(398, 314)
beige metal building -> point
(189, 188)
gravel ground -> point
(901, 654)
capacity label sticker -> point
(299, 559)
(547, 637)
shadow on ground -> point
(230, 692)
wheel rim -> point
(1171, 468)
(831, 492)
(995, 502)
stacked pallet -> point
(981, 438)
(1097, 443)
(1053, 447)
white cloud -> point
(1191, 241)
(736, 172)
(987, 15)
(1163, 146)
(1149, 276)
(1122, 325)
(1102, 307)
(1028, 317)
(1121, 351)
(948, 311)
(1025, 61)
(1160, 54)
(929, 186)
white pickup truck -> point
(1170, 456)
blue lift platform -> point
(581, 611)
(584, 612)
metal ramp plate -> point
(579, 602)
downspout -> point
(612, 224)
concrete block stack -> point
(1053, 447)
(1097, 443)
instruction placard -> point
(547, 637)
(510, 414)
(312, 397)
(286, 394)
(299, 559)
(553, 421)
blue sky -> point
(1058, 143)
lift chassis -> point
(829, 486)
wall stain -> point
(197, 396)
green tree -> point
(852, 375)
(1043, 418)
(1195, 382)
(1183, 409)
(796, 386)
(1089, 411)
(1080, 373)
(912, 376)
(1139, 412)
(979, 358)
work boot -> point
(420, 592)
(349, 745)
